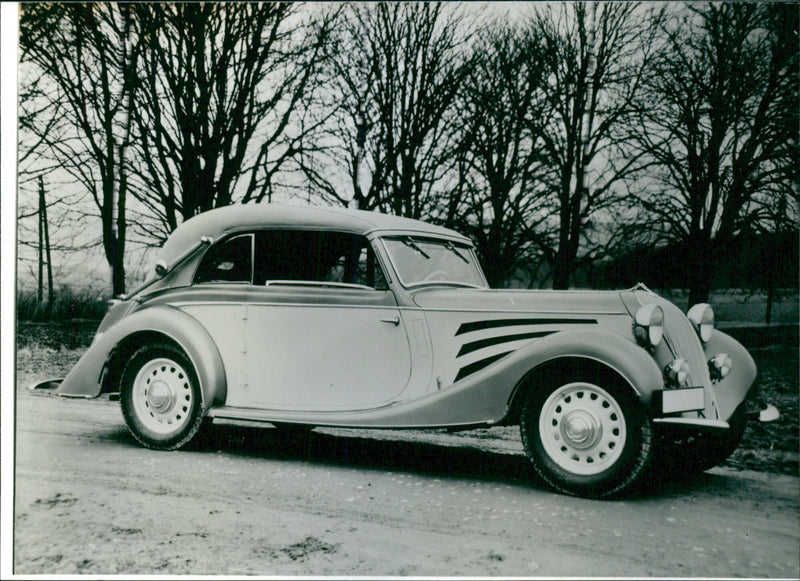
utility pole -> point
(44, 252)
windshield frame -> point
(460, 250)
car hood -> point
(576, 302)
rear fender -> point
(85, 379)
(632, 363)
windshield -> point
(420, 261)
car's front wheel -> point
(160, 397)
(587, 439)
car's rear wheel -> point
(160, 397)
(587, 439)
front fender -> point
(634, 364)
(732, 390)
(84, 380)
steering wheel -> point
(437, 275)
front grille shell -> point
(681, 341)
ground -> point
(245, 500)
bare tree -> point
(499, 196)
(75, 48)
(595, 58)
(721, 123)
(400, 66)
(224, 89)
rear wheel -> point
(160, 397)
(587, 439)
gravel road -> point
(89, 500)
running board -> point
(345, 419)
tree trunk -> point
(700, 276)
(770, 300)
(561, 271)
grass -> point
(774, 444)
(742, 307)
(67, 305)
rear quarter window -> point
(229, 261)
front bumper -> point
(755, 409)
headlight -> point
(719, 366)
(677, 373)
(648, 325)
(702, 317)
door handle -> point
(395, 321)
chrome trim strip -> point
(401, 308)
(320, 284)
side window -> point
(358, 267)
(228, 261)
(309, 256)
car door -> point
(323, 331)
(218, 299)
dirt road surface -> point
(89, 500)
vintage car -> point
(304, 317)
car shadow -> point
(422, 458)
(357, 451)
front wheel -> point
(160, 397)
(586, 439)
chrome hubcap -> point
(159, 397)
(162, 396)
(582, 428)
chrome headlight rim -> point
(701, 316)
(648, 325)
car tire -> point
(160, 397)
(694, 452)
(588, 437)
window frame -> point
(460, 245)
(366, 244)
(218, 245)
